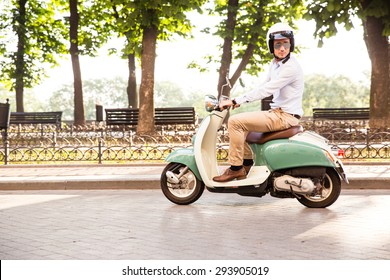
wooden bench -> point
(162, 116)
(341, 113)
(36, 118)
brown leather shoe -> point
(230, 175)
(247, 168)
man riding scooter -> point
(287, 161)
(285, 82)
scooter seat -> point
(262, 137)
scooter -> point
(291, 163)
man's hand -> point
(227, 103)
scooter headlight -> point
(210, 103)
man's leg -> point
(238, 127)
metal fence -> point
(46, 144)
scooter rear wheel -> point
(186, 191)
(327, 195)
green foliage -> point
(42, 34)
(95, 26)
(132, 16)
(334, 92)
(254, 18)
(329, 13)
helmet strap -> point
(284, 60)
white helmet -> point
(280, 31)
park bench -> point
(341, 114)
(21, 118)
(162, 116)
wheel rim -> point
(324, 193)
(186, 187)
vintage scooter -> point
(291, 163)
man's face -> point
(282, 47)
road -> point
(143, 224)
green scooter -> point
(291, 163)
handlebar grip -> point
(217, 109)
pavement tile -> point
(142, 224)
(130, 176)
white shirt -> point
(285, 82)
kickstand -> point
(296, 196)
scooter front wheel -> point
(180, 185)
(327, 194)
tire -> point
(187, 191)
(328, 195)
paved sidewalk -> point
(142, 176)
(144, 225)
(52, 177)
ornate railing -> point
(45, 144)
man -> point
(285, 83)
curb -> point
(153, 182)
(81, 185)
(367, 183)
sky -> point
(345, 54)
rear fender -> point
(185, 156)
(285, 153)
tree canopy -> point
(375, 17)
(30, 38)
(33, 33)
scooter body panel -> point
(286, 153)
(204, 146)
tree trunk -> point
(227, 48)
(378, 49)
(20, 63)
(226, 59)
(243, 63)
(148, 57)
(132, 94)
(132, 83)
(79, 116)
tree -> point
(132, 49)
(89, 28)
(38, 37)
(74, 19)
(41, 34)
(155, 20)
(375, 17)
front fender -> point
(185, 156)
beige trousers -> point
(260, 121)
